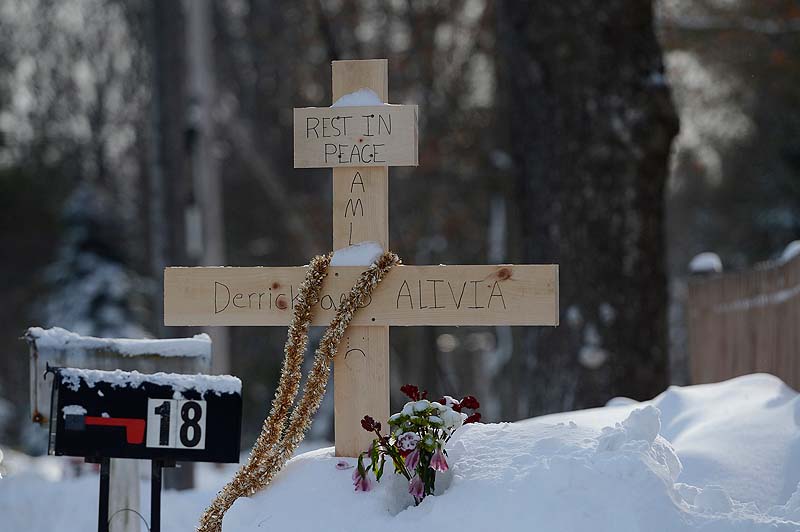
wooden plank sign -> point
(409, 295)
(377, 135)
(163, 416)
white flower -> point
(435, 420)
(394, 417)
(449, 401)
(438, 406)
(408, 441)
(452, 419)
(408, 409)
(421, 405)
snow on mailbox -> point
(163, 416)
(61, 348)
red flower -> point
(474, 418)
(470, 402)
(370, 425)
(411, 391)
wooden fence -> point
(748, 322)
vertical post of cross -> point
(360, 214)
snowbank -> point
(58, 338)
(718, 457)
(742, 434)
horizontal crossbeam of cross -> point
(409, 295)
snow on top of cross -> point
(217, 384)
(361, 254)
(706, 263)
(198, 346)
(360, 98)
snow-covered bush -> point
(90, 288)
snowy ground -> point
(721, 457)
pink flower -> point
(360, 480)
(408, 441)
(438, 463)
(363, 483)
(416, 488)
(412, 460)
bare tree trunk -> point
(157, 234)
(205, 163)
(591, 123)
(171, 191)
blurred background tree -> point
(735, 173)
(89, 289)
(591, 124)
(544, 136)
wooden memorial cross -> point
(360, 143)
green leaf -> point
(379, 474)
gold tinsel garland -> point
(282, 432)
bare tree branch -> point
(325, 29)
(241, 138)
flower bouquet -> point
(415, 444)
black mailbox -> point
(165, 416)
